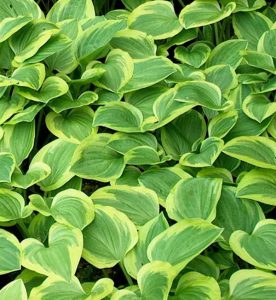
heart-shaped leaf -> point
(263, 238)
(7, 164)
(108, 238)
(60, 259)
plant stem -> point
(23, 228)
(216, 33)
(128, 278)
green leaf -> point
(7, 164)
(10, 106)
(108, 238)
(120, 116)
(74, 126)
(96, 37)
(258, 185)
(72, 9)
(36, 173)
(228, 53)
(73, 208)
(95, 160)
(156, 18)
(194, 285)
(194, 198)
(15, 8)
(136, 43)
(266, 43)
(10, 254)
(262, 238)
(137, 257)
(194, 55)
(138, 203)
(209, 151)
(255, 284)
(236, 214)
(14, 290)
(19, 140)
(118, 70)
(155, 280)
(9, 26)
(183, 134)
(52, 87)
(162, 180)
(201, 13)
(260, 60)
(256, 150)
(149, 71)
(58, 156)
(250, 26)
(222, 123)
(258, 107)
(26, 42)
(183, 241)
(60, 259)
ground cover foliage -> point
(137, 150)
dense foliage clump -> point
(137, 150)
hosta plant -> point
(137, 150)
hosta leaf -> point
(95, 160)
(72, 9)
(258, 185)
(223, 76)
(7, 164)
(119, 116)
(30, 76)
(60, 259)
(162, 180)
(65, 102)
(138, 203)
(108, 238)
(15, 8)
(136, 43)
(183, 241)
(213, 172)
(128, 177)
(149, 71)
(200, 93)
(96, 37)
(27, 41)
(263, 239)
(194, 198)
(9, 26)
(260, 60)
(14, 290)
(209, 151)
(72, 208)
(194, 285)
(251, 26)
(222, 123)
(256, 150)
(247, 5)
(58, 156)
(137, 257)
(74, 126)
(183, 134)
(236, 214)
(201, 13)
(19, 140)
(9, 106)
(39, 227)
(52, 87)
(26, 115)
(195, 55)
(156, 18)
(10, 254)
(258, 107)
(266, 43)
(155, 280)
(228, 53)
(143, 155)
(118, 70)
(37, 172)
(252, 284)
